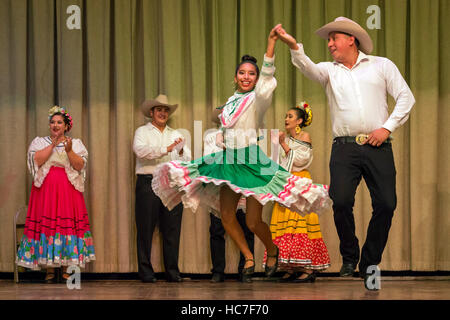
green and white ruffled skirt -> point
(247, 171)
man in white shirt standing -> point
(155, 143)
(356, 84)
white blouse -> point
(58, 158)
(243, 113)
(299, 157)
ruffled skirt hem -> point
(186, 182)
(55, 251)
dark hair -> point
(248, 59)
(65, 117)
(351, 35)
(301, 114)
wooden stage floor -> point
(325, 288)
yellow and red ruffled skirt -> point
(298, 238)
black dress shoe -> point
(362, 271)
(176, 278)
(148, 279)
(217, 277)
(347, 270)
(270, 271)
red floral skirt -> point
(57, 230)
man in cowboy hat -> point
(155, 143)
(356, 84)
(216, 229)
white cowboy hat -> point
(343, 24)
(160, 100)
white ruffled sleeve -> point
(299, 157)
(75, 177)
(265, 87)
(302, 158)
(37, 144)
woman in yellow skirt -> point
(299, 239)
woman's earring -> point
(298, 129)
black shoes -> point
(310, 278)
(270, 271)
(176, 278)
(217, 277)
(247, 273)
(347, 270)
(290, 278)
(294, 277)
(148, 279)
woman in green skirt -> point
(219, 180)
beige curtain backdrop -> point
(130, 50)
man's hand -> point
(286, 37)
(172, 146)
(377, 137)
(273, 35)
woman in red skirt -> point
(57, 232)
(298, 237)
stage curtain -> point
(126, 51)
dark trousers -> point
(150, 211)
(217, 242)
(348, 164)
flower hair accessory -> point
(57, 109)
(303, 105)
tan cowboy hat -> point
(160, 100)
(343, 24)
(215, 115)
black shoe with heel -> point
(310, 278)
(289, 278)
(270, 271)
(247, 273)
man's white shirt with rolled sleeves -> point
(357, 97)
(150, 147)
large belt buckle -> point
(361, 138)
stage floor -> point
(325, 288)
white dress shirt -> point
(357, 97)
(150, 146)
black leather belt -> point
(145, 175)
(359, 139)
